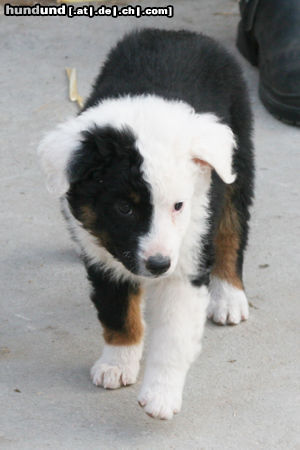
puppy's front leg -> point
(179, 311)
(119, 311)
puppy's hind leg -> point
(119, 311)
(228, 303)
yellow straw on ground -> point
(73, 92)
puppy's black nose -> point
(158, 264)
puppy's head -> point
(135, 172)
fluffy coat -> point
(155, 177)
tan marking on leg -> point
(133, 329)
(227, 243)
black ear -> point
(99, 146)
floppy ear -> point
(55, 151)
(213, 145)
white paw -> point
(228, 305)
(113, 377)
(118, 366)
(160, 400)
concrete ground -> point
(243, 391)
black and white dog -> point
(156, 180)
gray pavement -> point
(243, 391)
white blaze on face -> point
(171, 183)
(164, 236)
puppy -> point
(155, 177)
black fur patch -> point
(111, 298)
(105, 181)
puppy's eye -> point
(124, 208)
(178, 206)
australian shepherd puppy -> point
(155, 177)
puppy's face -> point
(138, 213)
(131, 182)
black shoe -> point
(269, 37)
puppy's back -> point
(178, 65)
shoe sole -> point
(287, 113)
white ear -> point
(54, 153)
(213, 143)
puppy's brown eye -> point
(125, 209)
(178, 206)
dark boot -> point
(269, 37)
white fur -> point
(183, 183)
(178, 317)
(55, 151)
(228, 305)
(118, 366)
(165, 129)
